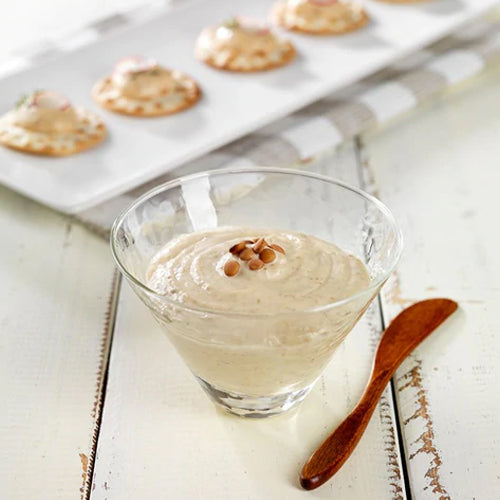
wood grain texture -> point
(162, 438)
(57, 279)
(438, 171)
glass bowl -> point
(257, 364)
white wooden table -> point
(97, 404)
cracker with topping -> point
(139, 86)
(241, 44)
(320, 17)
(404, 1)
(46, 123)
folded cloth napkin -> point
(319, 127)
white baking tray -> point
(138, 149)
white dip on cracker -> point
(241, 44)
(46, 123)
(320, 16)
(139, 86)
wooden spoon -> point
(407, 330)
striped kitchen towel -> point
(301, 136)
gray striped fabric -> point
(321, 126)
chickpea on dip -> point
(139, 86)
(274, 280)
(45, 122)
(320, 16)
(241, 44)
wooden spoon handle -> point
(407, 330)
(337, 448)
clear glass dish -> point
(257, 364)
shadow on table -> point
(290, 438)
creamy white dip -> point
(312, 272)
(285, 347)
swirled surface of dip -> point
(312, 272)
(257, 354)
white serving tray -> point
(138, 149)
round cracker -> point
(92, 133)
(277, 17)
(287, 57)
(403, 1)
(104, 94)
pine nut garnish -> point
(260, 245)
(267, 255)
(277, 248)
(231, 268)
(247, 254)
(256, 253)
(236, 249)
(255, 264)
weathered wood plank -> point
(56, 301)
(162, 438)
(438, 171)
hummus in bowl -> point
(254, 292)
